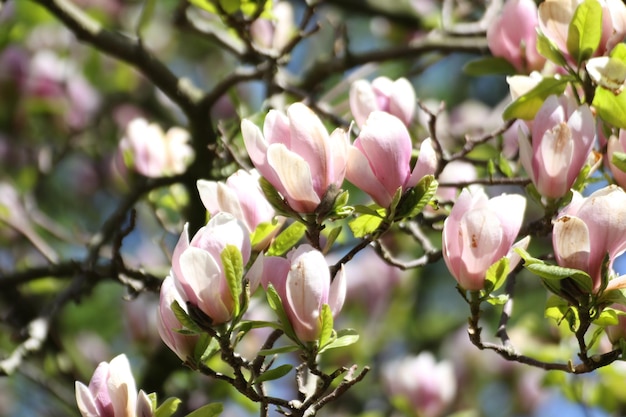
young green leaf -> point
(326, 324)
(273, 374)
(416, 198)
(278, 350)
(619, 160)
(610, 107)
(262, 232)
(209, 410)
(276, 304)
(168, 407)
(557, 273)
(527, 105)
(364, 225)
(232, 263)
(332, 237)
(496, 275)
(489, 66)
(549, 50)
(287, 239)
(183, 318)
(345, 337)
(585, 30)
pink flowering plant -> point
(312, 212)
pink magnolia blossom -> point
(379, 160)
(240, 196)
(563, 135)
(197, 266)
(513, 36)
(274, 34)
(154, 153)
(297, 156)
(167, 323)
(480, 231)
(589, 229)
(112, 392)
(428, 385)
(383, 94)
(617, 144)
(304, 284)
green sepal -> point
(490, 65)
(496, 275)
(527, 105)
(327, 334)
(415, 198)
(232, 263)
(549, 50)
(585, 30)
(185, 320)
(276, 304)
(287, 239)
(344, 337)
(272, 374)
(209, 410)
(168, 407)
(331, 238)
(341, 209)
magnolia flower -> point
(112, 392)
(607, 72)
(304, 284)
(589, 229)
(167, 323)
(513, 36)
(197, 266)
(240, 196)
(563, 135)
(394, 97)
(429, 386)
(617, 331)
(274, 34)
(379, 160)
(154, 153)
(479, 232)
(297, 156)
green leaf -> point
(326, 324)
(497, 300)
(595, 337)
(345, 337)
(364, 225)
(527, 105)
(276, 200)
(610, 107)
(147, 11)
(559, 310)
(504, 166)
(209, 410)
(415, 199)
(205, 5)
(549, 50)
(232, 263)
(168, 407)
(278, 350)
(183, 318)
(262, 232)
(273, 374)
(230, 6)
(372, 210)
(332, 237)
(557, 273)
(276, 304)
(608, 317)
(488, 66)
(496, 274)
(585, 30)
(287, 239)
(619, 160)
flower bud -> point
(304, 284)
(480, 231)
(379, 161)
(394, 97)
(297, 156)
(563, 135)
(197, 266)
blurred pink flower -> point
(480, 231)
(276, 33)
(616, 144)
(379, 161)
(297, 156)
(563, 135)
(513, 36)
(382, 94)
(590, 228)
(429, 386)
(304, 284)
(154, 153)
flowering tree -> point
(248, 202)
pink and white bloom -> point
(154, 153)
(394, 97)
(304, 284)
(563, 135)
(589, 229)
(167, 323)
(479, 232)
(276, 33)
(197, 266)
(513, 35)
(240, 195)
(297, 156)
(379, 161)
(428, 385)
(112, 392)
(617, 144)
